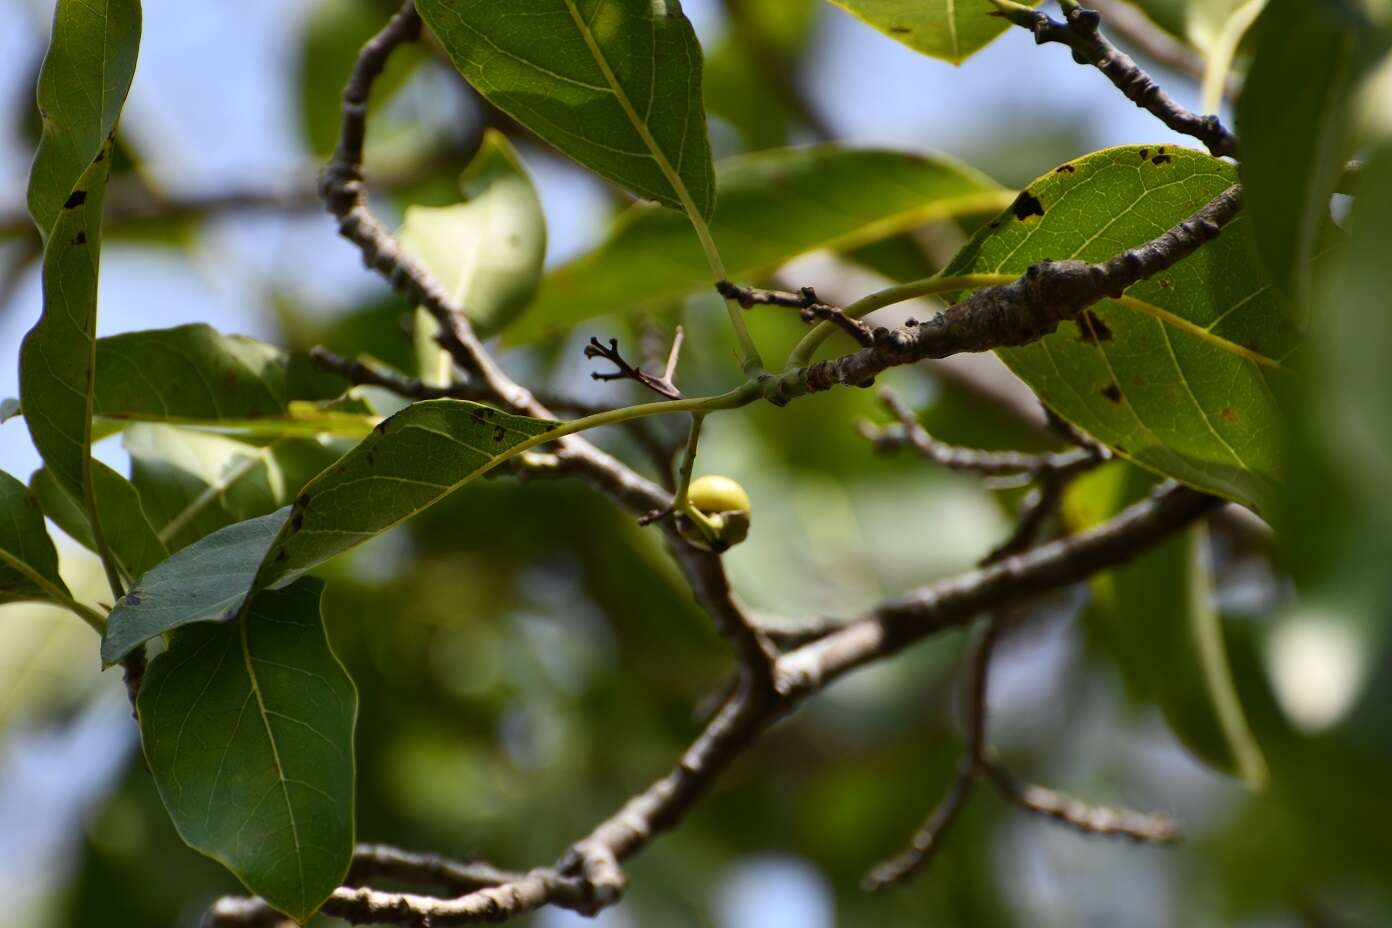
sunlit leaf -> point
(1156, 618)
(952, 30)
(615, 84)
(1295, 124)
(248, 732)
(486, 252)
(129, 535)
(1175, 376)
(28, 560)
(409, 462)
(773, 207)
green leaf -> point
(205, 582)
(248, 732)
(82, 86)
(773, 207)
(1156, 618)
(194, 375)
(412, 460)
(188, 372)
(1296, 127)
(9, 408)
(614, 84)
(952, 30)
(28, 560)
(415, 458)
(195, 483)
(333, 36)
(751, 76)
(1175, 375)
(1340, 443)
(132, 541)
(486, 252)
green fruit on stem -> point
(724, 514)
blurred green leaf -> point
(9, 408)
(195, 483)
(1156, 618)
(334, 33)
(1296, 127)
(129, 534)
(205, 582)
(1173, 376)
(615, 84)
(486, 252)
(82, 86)
(773, 207)
(28, 560)
(248, 731)
(952, 30)
(751, 78)
(413, 459)
(194, 375)
(1341, 444)
(188, 372)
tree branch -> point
(1081, 32)
(1016, 313)
(589, 876)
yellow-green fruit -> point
(726, 509)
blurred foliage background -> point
(527, 657)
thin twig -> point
(910, 434)
(811, 309)
(625, 371)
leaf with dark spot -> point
(1026, 205)
(1092, 329)
(1112, 392)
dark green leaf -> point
(952, 30)
(773, 207)
(1173, 376)
(1296, 124)
(615, 84)
(194, 483)
(205, 582)
(119, 507)
(1156, 618)
(28, 561)
(410, 461)
(248, 731)
(82, 87)
(486, 252)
